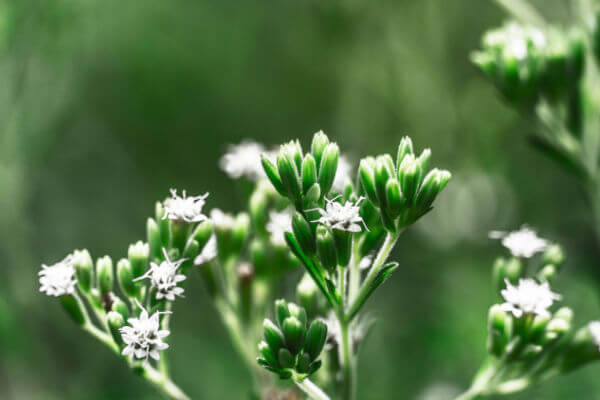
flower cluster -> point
(522, 243)
(164, 278)
(344, 217)
(144, 337)
(58, 279)
(528, 297)
(185, 209)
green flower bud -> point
(405, 148)
(309, 172)
(580, 350)
(313, 194)
(304, 234)
(384, 170)
(499, 330)
(298, 312)
(289, 175)
(328, 167)
(315, 339)
(84, 267)
(240, 232)
(499, 273)
(513, 270)
(104, 271)
(75, 308)
(138, 258)
(203, 233)
(293, 331)
(119, 306)
(153, 237)
(281, 311)
(268, 355)
(538, 327)
(303, 365)
(326, 248)
(564, 313)
(273, 175)
(245, 277)
(423, 161)
(547, 273)
(163, 225)
(343, 245)
(273, 336)
(366, 172)
(125, 278)
(409, 174)
(319, 143)
(115, 322)
(294, 150)
(553, 255)
(435, 181)
(394, 198)
(285, 358)
(258, 257)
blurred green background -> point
(107, 104)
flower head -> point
(164, 278)
(186, 209)
(58, 279)
(344, 217)
(522, 243)
(243, 160)
(594, 328)
(528, 297)
(208, 253)
(221, 219)
(144, 337)
(342, 174)
(279, 223)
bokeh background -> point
(106, 104)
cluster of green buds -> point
(527, 63)
(292, 348)
(402, 191)
(528, 342)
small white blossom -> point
(144, 337)
(522, 243)
(221, 219)
(279, 223)
(243, 160)
(343, 217)
(365, 262)
(209, 252)
(164, 278)
(187, 209)
(58, 279)
(528, 297)
(594, 328)
(342, 175)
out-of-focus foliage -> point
(107, 104)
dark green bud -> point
(267, 354)
(315, 339)
(119, 306)
(289, 175)
(153, 236)
(304, 234)
(285, 358)
(281, 311)
(115, 322)
(75, 308)
(104, 271)
(273, 336)
(435, 181)
(394, 198)
(319, 143)
(125, 278)
(309, 172)
(84, 267)
(366, 173)
(343, 245)
(273, 175)
(303, 365)
(293, 331)
(298, 312)
(328, 167)
(240, 232)
(326, 248)
(164, 227)
(383, 173)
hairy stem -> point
(311, 390)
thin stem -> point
(162, 383)
(163, 363)
(311, 390)
(101, 336)
(354, 271)
(347, 360)
(384, 252)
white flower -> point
(522, 243)
(594, 328)
(365, 262)
(342, 175)
(343, 217)
(528, 297)
(144, 337)
(164, 278)
(243, 160)
(221, 219)
(58, 279)
(279, 223)
(209, 252)
(187, 209)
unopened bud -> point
(125, 278)
(138, 258)
(104, 271)
(84, 267)
(328, 168)
(326, 248)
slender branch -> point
(163, 363)
(162, 383)
(311, 390)
(384, 252)
(347, 360)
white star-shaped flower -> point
(522, 243)
(343, 217)
(209, 252)
(186, 209)
(164, 278)
(279, 223)
(342, 175)
(58, 279)
(528, 297)
(144, 337)
(594, 328)
(243, 160)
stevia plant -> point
(343, 237)
(342, 231)
(527, 341)
(549, 74)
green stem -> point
(354, 271)
(311, 390)
(163, 363)
(101, 336)
(162, 383)
(384, 252)
(347, 363)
